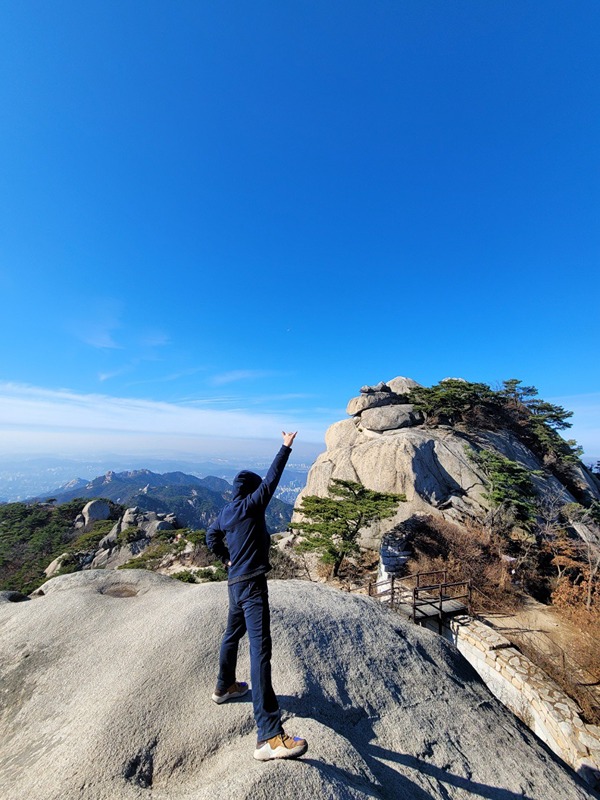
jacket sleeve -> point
(215, 541)
(261, 497)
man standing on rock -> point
(239, 537)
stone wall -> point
(530, 694)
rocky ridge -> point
(385, 445)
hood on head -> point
(245, 483)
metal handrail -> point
(438, 590)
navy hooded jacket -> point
(239, 534)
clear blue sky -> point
(219, 218)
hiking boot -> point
(280, 746)
(236, 689)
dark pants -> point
(249, 611)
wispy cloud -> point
(172, 376)
(96, 325)
(29, 410)
(155, 339)
(100, 335)
(106, 376)
(240, 375)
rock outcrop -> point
(129, 536)
(107, 679)
(94, 511)
(385, 446)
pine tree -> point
(332, 525)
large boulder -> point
(370, 400)
(129, 536)
(156, 525)
(401, 385)
(431, 468)
(341, 434)
(107, 678)
(382, 394)
(54, 566)
(95, 511)
(389, 418)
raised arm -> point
(266, 490)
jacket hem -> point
(254, 574)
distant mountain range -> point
(194, 501)
(21, 478)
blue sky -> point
(219, 219)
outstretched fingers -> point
(288, 438)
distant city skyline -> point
(220, 220)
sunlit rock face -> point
(107, 677)
(385, 445)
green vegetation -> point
(164, 545)
(510, 488)
(186, 576)
(31, 536)
(129, 535)
(332, 525)
(195, 537)
(91, 540)
(452, 401)
(219, 573)
(517, 407)
(150, 558)
(514, 407)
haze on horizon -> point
(221, 220)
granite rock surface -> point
(107, 676)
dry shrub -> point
(285, 565)
(584, 651)
(567, 594)
(323, 570)
(573, 595)
(560, 667)
(360, 571)
(465, 553)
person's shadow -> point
(391, 784)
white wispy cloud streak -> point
(106, 376)
(240, 375)
(155, 339)
(29, 410)
(97, 326)
(172, 376)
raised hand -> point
(288, 438)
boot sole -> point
(218, 699)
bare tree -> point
(584, 520)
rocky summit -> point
(385, 444)
(106, 684)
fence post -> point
(392, 600)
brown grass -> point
(465, 553)
(577, 671)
